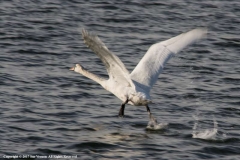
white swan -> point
(135, 88)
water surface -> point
(48, 110)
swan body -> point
(134, 88)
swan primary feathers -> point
(134, 88)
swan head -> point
(77, 68)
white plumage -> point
(135, 88)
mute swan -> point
(135, 88)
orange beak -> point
(72, 69)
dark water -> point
(47, 110)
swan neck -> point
(92, 76)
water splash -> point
(154, 125)
(208, 134)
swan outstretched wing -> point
(151, 65)
(115, 68)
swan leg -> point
(148, 109)
(151, 117)
(149, 112)
(121, 111)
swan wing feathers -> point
(115, 68)
(151, 65)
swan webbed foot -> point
(152, 118)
